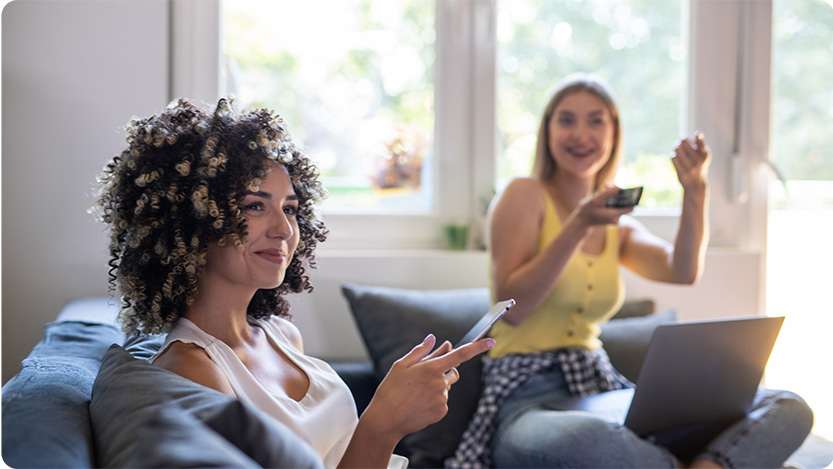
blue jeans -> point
(531, 435)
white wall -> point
(74, 73)
(728, 288)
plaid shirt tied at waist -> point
(587, 372)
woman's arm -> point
(519, 271)
(682, 262)
(413, 395)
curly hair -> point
(175, 188)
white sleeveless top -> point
(325, 417)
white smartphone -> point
(486, 322)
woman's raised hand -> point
(691, 161)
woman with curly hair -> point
(213, 219)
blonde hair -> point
(175, 188)
(544, 165)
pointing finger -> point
(464, 353)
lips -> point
(580, 152)
(275, 256)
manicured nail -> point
(427, 338)
(490, 343)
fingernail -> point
(427, 338)
(490, 343)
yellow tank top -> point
(589, 292)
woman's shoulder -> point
(288, 329)
(525, 184)
(629, 224)
(523, 193)
(192, 361)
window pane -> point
(636, 45)
(802, 92)
(354, 80)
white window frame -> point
(728, 99)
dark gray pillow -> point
(634, 309)
(46, 419)
(626, 340)
(392, 321)
(129, 394)
(171, 437)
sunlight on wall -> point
(798, 287)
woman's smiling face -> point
(581, 134)
(272, 236)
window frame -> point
(728, 45)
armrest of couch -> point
(100, 310)
(46, 421)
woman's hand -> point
(414, 393)
(691, 161)
(592, 210)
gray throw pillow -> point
(635, 308)
(392, 321)
(46, 419)
(626, 340)
(130, 395)
(171, 437)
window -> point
(466, 81)
(355, 85)
(636, 45)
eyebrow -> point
(267, 195)
(591, 113)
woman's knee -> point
(793, 412)
(557, 439)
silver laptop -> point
(694, 372)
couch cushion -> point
(46, 405)
(392, 321)
(130, 397)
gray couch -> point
(86, 398)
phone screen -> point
(486, 322)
